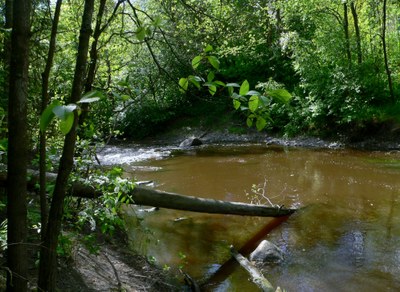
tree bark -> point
(93, 50)
(256, 276)
(357, 31)
(48, 262)
(346, 32)
(18, 148)
(45, 101)
(385, 55)
(8, 13)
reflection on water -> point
(346, 239)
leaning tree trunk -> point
(18, 149)
(45, 101)
(48, 261)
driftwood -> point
(149, 197)
(256, 276)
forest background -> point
(76, 73)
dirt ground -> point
(112, 270)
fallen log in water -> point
(256, 276)
(228, 267)
(150, 197)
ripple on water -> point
(114, 155)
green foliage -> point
(65, 113)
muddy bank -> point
(384, 140)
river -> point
(347, 238)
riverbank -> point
(387, 139)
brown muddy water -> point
(346, 239)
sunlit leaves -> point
(253, 103)
(91, 96)
(281, 95)
(196, 61)
(65, 113)
(208, 48)
(67, 123)
(244, 88)
(210, 76)
(183, 84)
(213, 61)
(141, 33)
(236, 104)
(195, 80)
(47, 116)
(260, 123)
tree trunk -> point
(8, 13)
(48, 262)
(45, 101)
(357, 30)
(18, 148)
(91, 73)
(385, 55)
(149, 197)
(346, 32)
(93, 50)
(256, 276)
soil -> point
(112, 269)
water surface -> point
(347, 239)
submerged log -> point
(256, 276)
(149, 197)
(228, 267)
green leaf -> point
(62, 111)
(67, 123)
(208, 48)
(183, 83)
(244, 88)
(196, 61)
(212, 89)
(91, 96)
(260, 123)
(213, 61)
(141, 33)
(157, 21)
(47, 116)
(125, 97)
(210, 76)
(253, 92)
(249, 121)
(219, 83)
(236, 104)
(281, 95)
(230, 91)
(195, 81)
(253, 103)
(89, 100)
(232, 85)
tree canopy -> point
(102, 69)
